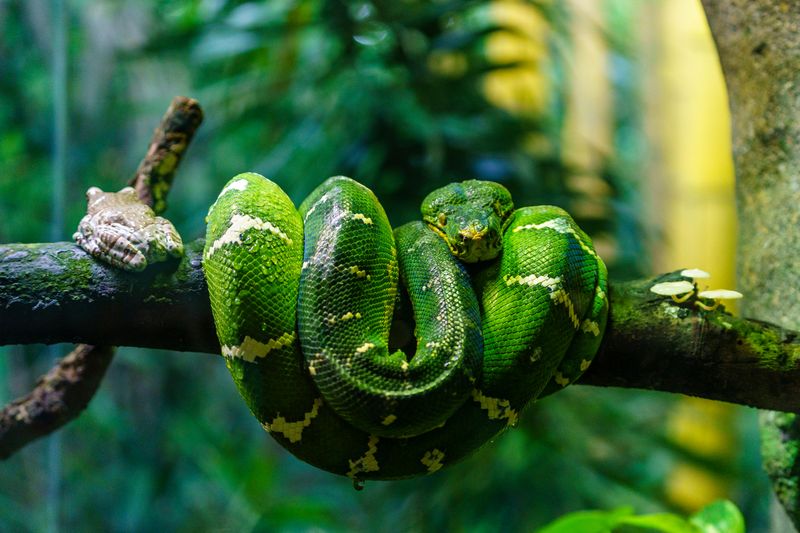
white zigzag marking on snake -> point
(240, 224)
(294, 430)
(324, 198)
(251, 349)
(365, 347)
(363, 218)
(561, 296)
(367, 462)
(532, 280)
(433, 459)
(496, 408)
(557, 292)
(590, 326)
(561, 226)
(238, 185)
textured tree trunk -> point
(759, 48)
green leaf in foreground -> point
(719, 517)
(587, 521)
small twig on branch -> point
(59, 396)
(65, 391)
(153, 178)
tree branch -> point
(653, 343)
(154, 176)
(57, 293)
(59, 397)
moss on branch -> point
(654, 343)
(52, 293)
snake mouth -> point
(481, 249)
(470, 245)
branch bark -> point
(57, 293)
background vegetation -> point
(565, 103)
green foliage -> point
(348, 90)
(718, 517)
(779, 450)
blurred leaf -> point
(587, 522)
(719, 517)
(663, 522)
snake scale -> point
(303, 301)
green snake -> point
(304, 298)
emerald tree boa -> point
(509, 305)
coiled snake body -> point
(303, 301)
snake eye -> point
(442, 220)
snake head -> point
(469, 216)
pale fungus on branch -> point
(679, 291)
(695, 274)
(718, 295)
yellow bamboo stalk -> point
(692, 205)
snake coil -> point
(303, 301)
